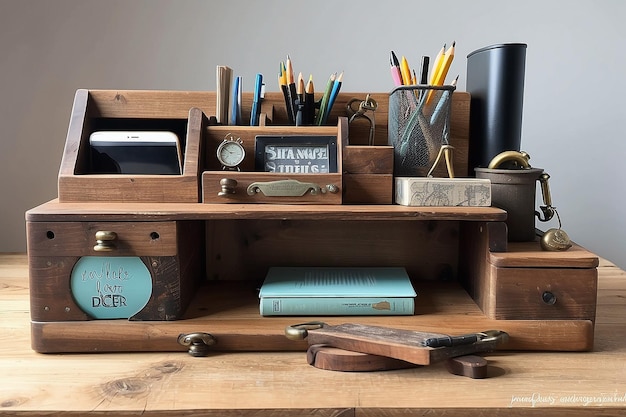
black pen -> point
(424, 70)
(309, 102)
(300, 102)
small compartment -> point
(122, 270)
(135, 146)
(301, 177)
(525, 282)
(90, 175)
(368, 174)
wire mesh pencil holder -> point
(418, 126)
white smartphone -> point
(135, 152)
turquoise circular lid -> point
(108, 287)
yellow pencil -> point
(300, 87)
(437, 64)
(440, 77)
(405, 71)
(289, 71)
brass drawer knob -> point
(228, 187)
(105, 241)
(199, 343)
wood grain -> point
(102, 211)
(283, 383)
(334, 359)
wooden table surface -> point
(282, 383)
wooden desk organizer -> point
(329, 185)
(365, 172)
(466, 274)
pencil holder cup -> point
(418, 126)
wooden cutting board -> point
(404, 345)
(335, 359)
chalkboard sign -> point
(296, 154)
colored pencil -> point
(333, 97)
(395, 69)
(325, 97)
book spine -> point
(336, 306)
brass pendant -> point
(556, 239)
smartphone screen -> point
(135, 152)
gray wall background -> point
(574, 115)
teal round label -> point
(111, 287)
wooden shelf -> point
(55, 211)
(230, 312)
(446, 251)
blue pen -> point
(443, 100)
(239, 101)
(256, 103)
(234, 110)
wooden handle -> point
(334, 359)
(471, 366)
(394, 343)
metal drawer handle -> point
(289, 188)
(105, 241)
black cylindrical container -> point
(495, 80)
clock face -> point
(230, 153)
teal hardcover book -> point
(326, 291)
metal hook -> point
(368, 105)
(446, 151)
(300, 331)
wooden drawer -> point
(171, 251)
(79, 238)
(542, 293)
(525, 282)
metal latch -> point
(198, 343)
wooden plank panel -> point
(367, 188)
(245, 249)
(524, 254)
(51, 239)
(102, 211)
